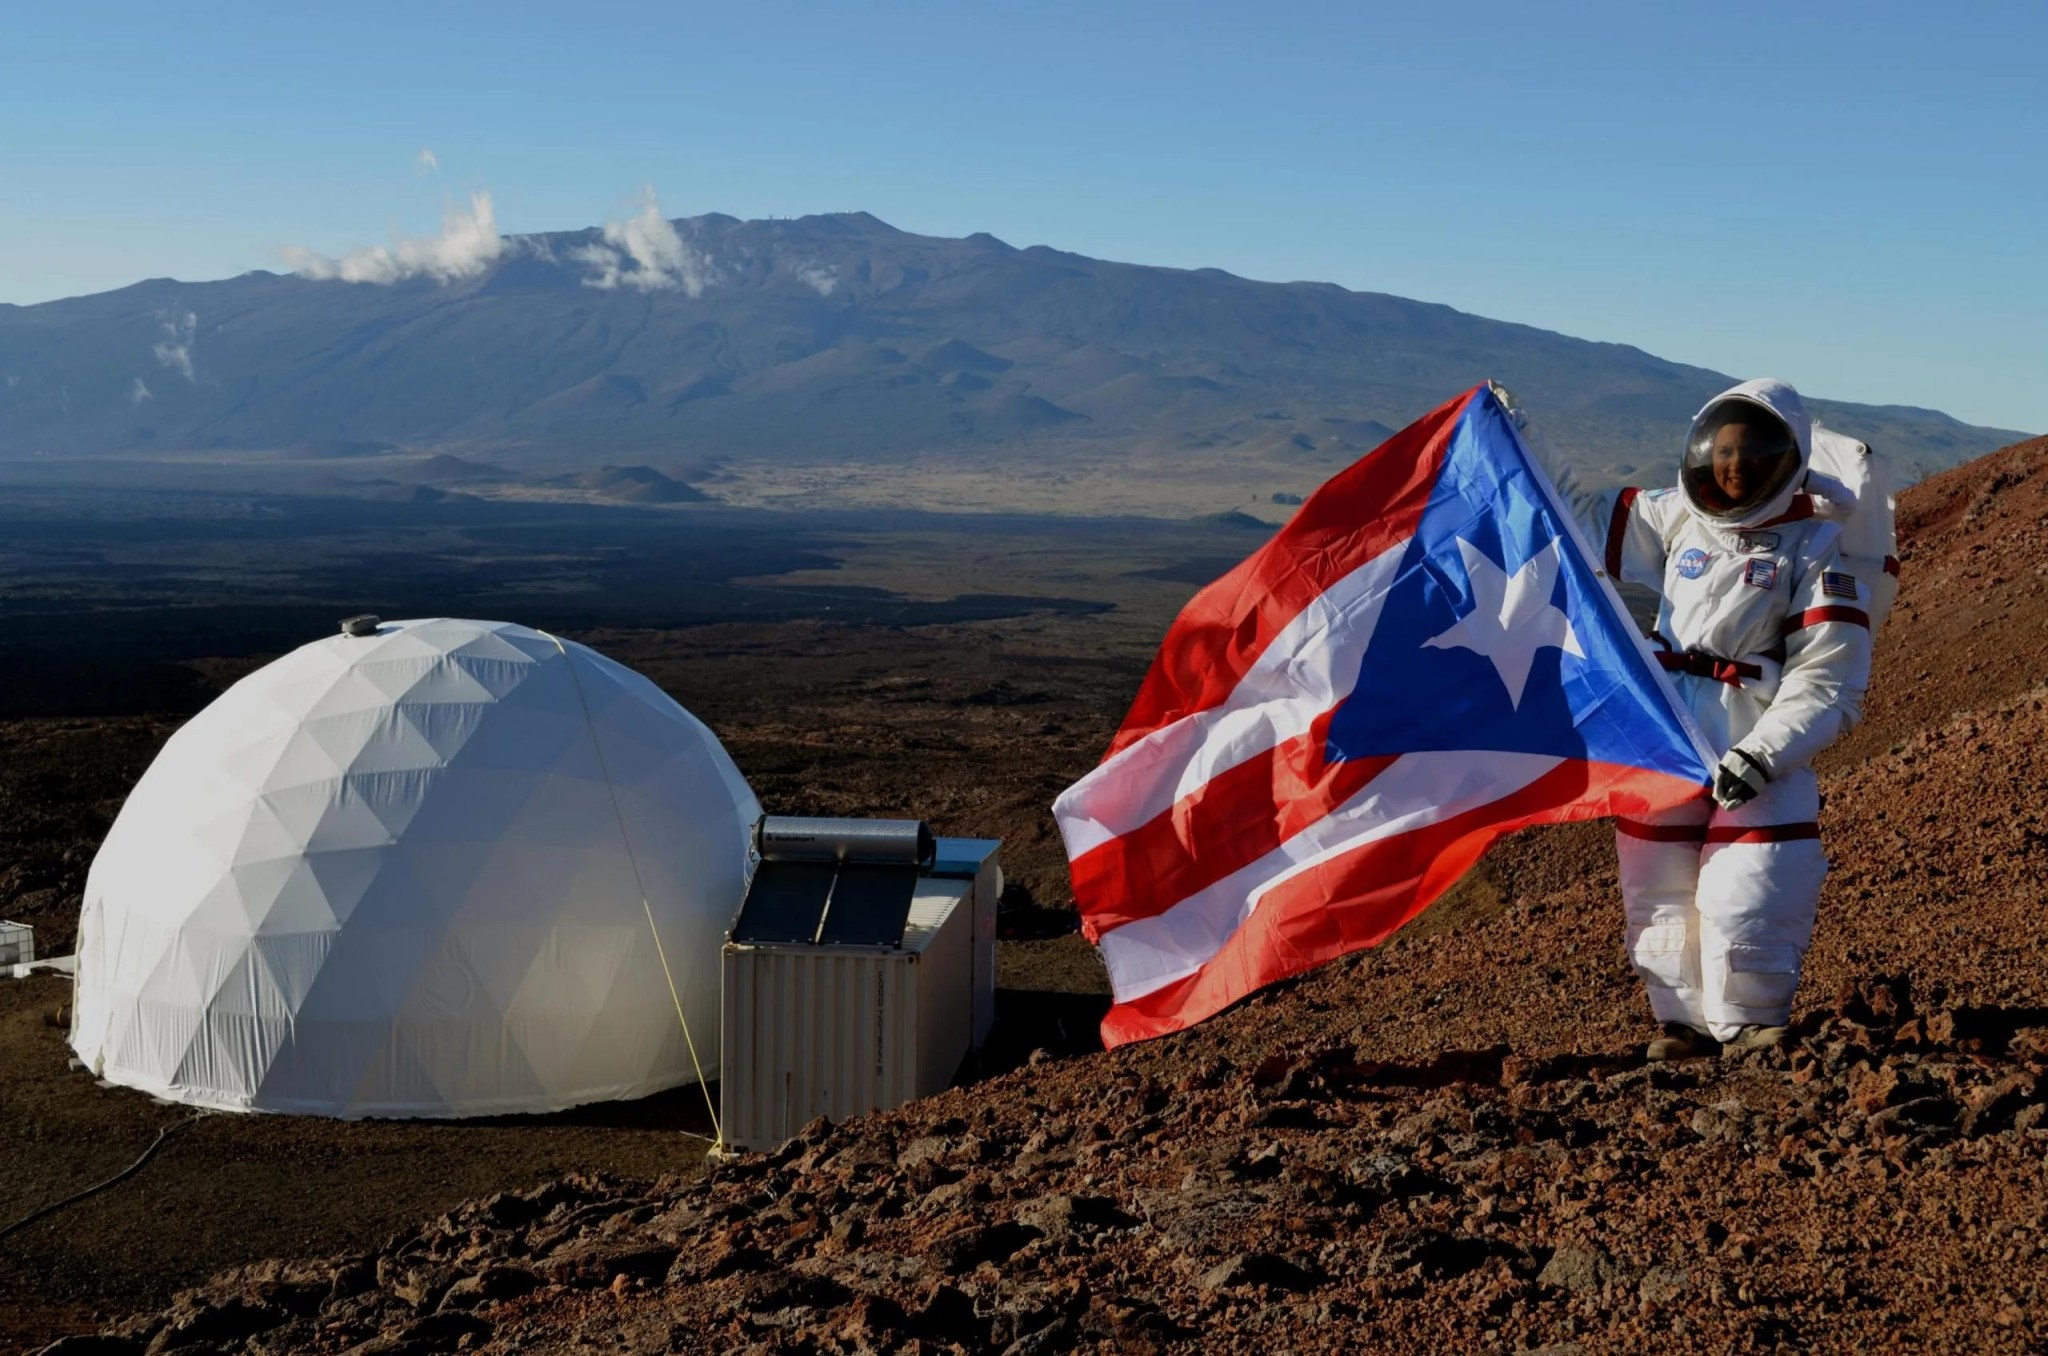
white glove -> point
(1509, 403)
(1738, 779)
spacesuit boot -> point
(1754, 1038)
(1680, 1041)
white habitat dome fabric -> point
(402, 875)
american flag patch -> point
(1837, 585)
(1761, 574)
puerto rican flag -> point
(1424, 659)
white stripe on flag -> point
(1310, 666)
(1415, 790)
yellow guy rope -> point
(718, 1143)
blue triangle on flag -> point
(1463, 626)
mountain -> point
(827, 340)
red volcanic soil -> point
(1447, 1144)
(1967, 631)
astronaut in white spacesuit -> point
(1766, 629)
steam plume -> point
(468, 243)
(823, 278)
(175, 349)
(645, 252)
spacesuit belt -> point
(1729, 671)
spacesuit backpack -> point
(1857, 485)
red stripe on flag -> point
(1617, 530)
(1814, 616)
(1766, 833)
(1375, 504)
(1359, 898)
(1222, 826)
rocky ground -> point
(1447, 1144)
(1881, 1183)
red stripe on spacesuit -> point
(1728, 833)
(1801, 509)
(1814, 616)
(1617, 529)
(1661, 833)
(1891, 566)
(1767, 833)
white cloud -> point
(175, 349)
(468, 243)
(426, 161)
(138, 392)
(645, 252)
(822, 277)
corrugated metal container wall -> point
(814, 1030)
(808, 1033)
(943, 963)
(988, 889)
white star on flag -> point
(1511, 618)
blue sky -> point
(1851, 196)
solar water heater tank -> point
(858, 975)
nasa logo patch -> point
(1694, 563)
(1761, 574)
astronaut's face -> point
(1737, 458)
(1744, 457)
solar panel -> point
(836, 882)
(785, 903)
(869, 906)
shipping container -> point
(837, 1029)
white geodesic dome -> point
(417, 873)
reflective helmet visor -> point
(1740, 456)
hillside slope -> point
(1447, 1144)
(821, 340)
(1973, 597)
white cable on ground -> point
(718, 1140)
